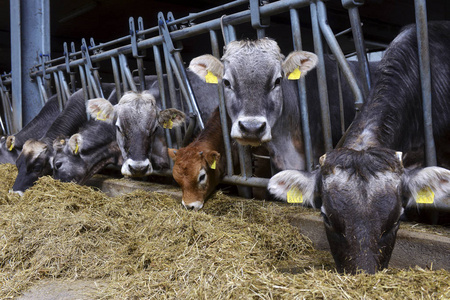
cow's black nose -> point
(252, 127)
(137, 170)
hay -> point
(144, 245)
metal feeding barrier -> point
(83, 67)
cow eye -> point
(58, 165)
(201, 178)
(325, 219)
(277, 82)
(226, 83)
(118, 129)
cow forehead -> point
(248, 49)
(133, 105)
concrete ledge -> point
(412, 248)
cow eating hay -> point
(144, 245)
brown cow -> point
(198, 168)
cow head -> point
(361, 195)
(8, 151)
(77, 160)
(136, 118)
(252, 73)
(32, 163)
(197, 172)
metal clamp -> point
(164, 31)
(352, 3)
(255, 15)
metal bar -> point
(139, 61)
(42, 91)
(7, 109)
(358, 37)
(58, 91)
(159, 74)
(334, 46)
(83, 84)
(64, 86)
(249, 181)
(322, 79)
(234, 19)
(425, 79)
(301, 85)
(115, 69)
(16, 66)
(222, 108)
(128, 76)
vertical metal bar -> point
(83, 83)
(360, 48)
(7, 109)
(425, 78)
(336, 49)
(16, 64)
(126, 71)
(64, 86)
(322, 79)
(58, 91)
(139, 61)
(115, 69)
(162, 92)
(42, 91)
(231, 33)
(301, 85)
(222, 109)
(172, 92)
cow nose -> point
(193, 205)
(252, 127)
(139, 169)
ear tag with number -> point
(294, 195)
(100, 116)
(211, 78)
(213, 165)
(425, 196)
(295, 74)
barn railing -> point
(85, 67)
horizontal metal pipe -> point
(249, 181)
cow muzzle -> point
(193, 205)
(134, 168)
(251, 131)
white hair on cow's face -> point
(133, 97)
(247, 47)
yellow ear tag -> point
(294, 196)
(425, 196)
(165, 125)
(170, 124)
(213, 165)
(211, 78)
(295, 74)
(11, 147)
(99, 118)
(77, 148)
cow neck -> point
(212, 135)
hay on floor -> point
(145, 245)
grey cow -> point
(263, 103)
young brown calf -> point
(198, 167)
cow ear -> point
(426, 187)
(212, 158)
(171, 117)
(299, 63)
(75, 143)
(207, 67)
(10, 142)
(294, 186)
(172, 153)
(100, 109)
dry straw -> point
(144, 245)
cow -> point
(11, 146)
(35, 160)
(135, 122)
(263, 104)
(363, 186)
(85, 153)
(198, 167)
(138, 121)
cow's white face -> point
(252, 74)
(137, 119)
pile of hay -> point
(145, 245)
